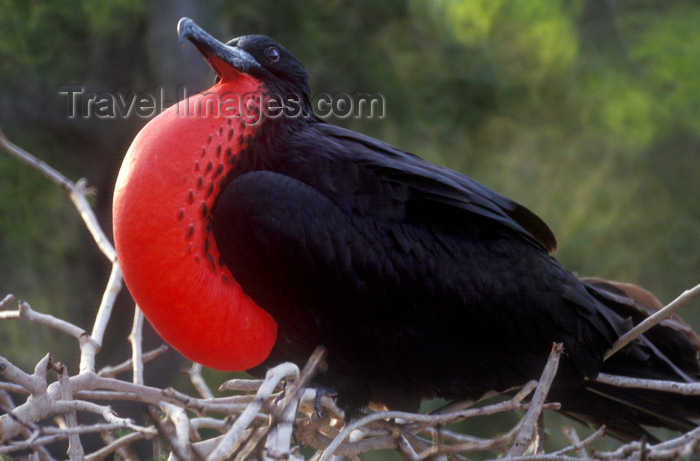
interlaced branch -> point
(273, 418)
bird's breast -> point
(166, 189)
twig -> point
(529, 422)
(110, 371)
(652, 384)
(435, 420)
(168, 431)
(104, 313)
(26, 312)
(580, 445)
(88, 346)
(136, 340)
(653, 320)
(75, 448)
(76, 192)
(123, 441)
(6, 301)
(195, 374)
(244, 385)
(230, 441)
(181, 425)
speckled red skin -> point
(165, 191)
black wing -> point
(439, 185)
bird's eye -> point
(272, 54)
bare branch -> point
(195, 374)
(76, 192)
(123, 441)
(233, 437)
(652, 384)
(75, 448)
(653, 320)
(104, 313)
(110, 371)
(136, 340)
(6, 301)
(580, 445)
(181, 425)
(529, 423)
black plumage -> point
(418, 280)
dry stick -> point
(31, 383)
(78, 194)
(575, 440)
(529, 422)
(108, 438)
(683, 446)
(418, 426)
(436, 419)
(136, 340)
(75, 448)
(279, 439)
(195, 374)
(652, 384)
(280, 429)
(34, 409)
(123, 441)
(26, 312)
(10, 387)
(231, 439)
(7, 405)
(238, 384)
(524, 432)
(88, 346)
(6, 301)
(168, 431)
(104, 313)
(34, 442)
(47, 401)
(305, 376)
(278, 442)
(281, 426)
(580, 445)
(91, 428)
(544, 457)
(181, 426)
(653, 320)
(124, 390)
(110, 371)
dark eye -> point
(272, 54)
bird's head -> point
(283, 80)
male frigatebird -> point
(250, 231)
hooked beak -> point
(220, 56)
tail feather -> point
(669, 352)
(625, 412)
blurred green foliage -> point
(56, 40)
(585, 111)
